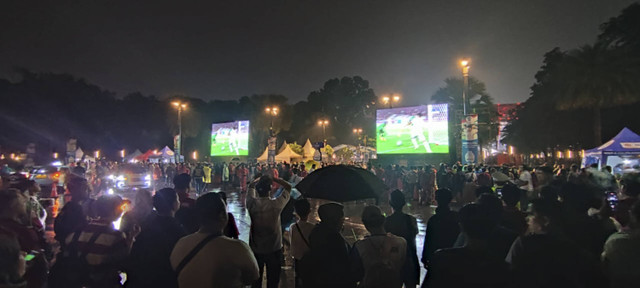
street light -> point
(195, 155)
(324, 123)
(273, 111)
(180, 106)
(122, 154)
(465, 75)
(97, 154)
(390, 99)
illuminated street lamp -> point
(180, 106)
(390, 99)
(55, 155)
(122, 152)
(465, 75)
(195, 155)
(273, 112)
(324, 124)
(97, 154)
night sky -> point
(229, 49)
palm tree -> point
(595, 77)
(481, 104)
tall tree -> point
(481, 104)
(595, 77)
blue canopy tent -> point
(622, 150)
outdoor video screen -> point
(413, 130)
(230, 139)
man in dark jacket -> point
(327, 262)
(149, 264)
(442, 228)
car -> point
(128, 179)
(46, 177)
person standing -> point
(405, 226)
(207, 258)
(149, 264)
(265, 238)
(225, 174)
(300, 232)
(207, 176)
(104, 248)
(620, 256)
(525, 183)
(378, 247)
(243, 174)
(472, 265)
(327, 262)
(198, 178)
(442, 228)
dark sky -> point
(228, 49)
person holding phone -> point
(13, 264)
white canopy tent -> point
(308, 150)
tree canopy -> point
(583, 95)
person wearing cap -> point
(405, 226)
(327, 262)
(378, 247)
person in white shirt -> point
(299, 233)
(525, 184)
(265, 238)
(222, 261)
(379, 247)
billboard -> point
(230, 139)
(413, 130)
(470, 139)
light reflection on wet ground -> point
(353, 230)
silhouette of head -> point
(211, 211)
(443, 197)
(397, 200)
(332, 214)
(372, 217)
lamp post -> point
(273, 111)
(390, 99)
(465, 75)
(358, 132)
(180, 106)
(324, 124)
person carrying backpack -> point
(378, 247)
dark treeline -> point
(48, 109)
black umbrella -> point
(341, 183)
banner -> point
(72, 146)
(271, 155)
(470, 139)
(176, 148)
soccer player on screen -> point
(382, 132)
(416, 129)
(233, 141)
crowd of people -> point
(493, 226)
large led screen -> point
(230, 139)
(413, 130)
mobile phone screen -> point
(612, 199)
(29, 257)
